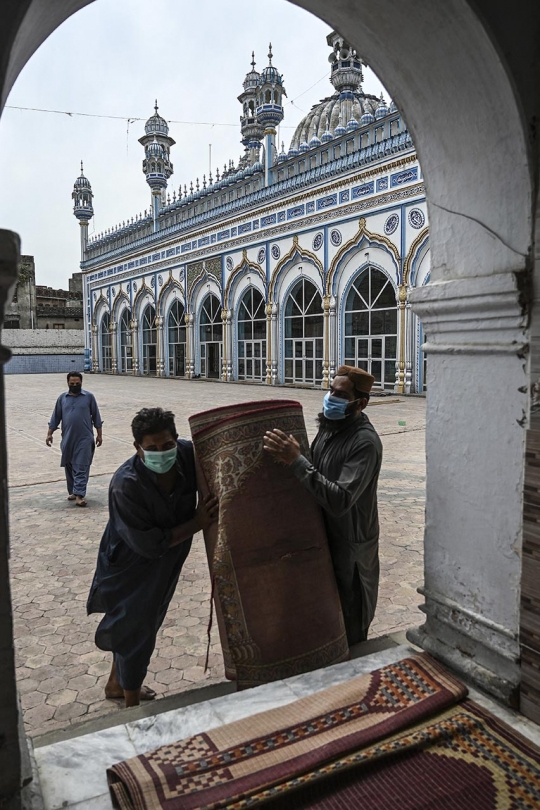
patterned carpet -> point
(401, 737)
(275, 593)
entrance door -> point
(213, 360)
(179, 368)
(308, 362)
(371, 355)
(304, 350)
(149, 358)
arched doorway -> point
(303, 330)
(125, 358)
(176, 330)
(211, 337)
(370, 325)
(149, 341)
(105, 343)
(251, 326)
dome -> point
(304, 147)
(315, 141)
(252, 78)
(323, 119)
(352, 125)
(392, 108)
(367, 118)
(382, 109)
(82, 181)
(339, 131)
(156, 124)
(270, 74)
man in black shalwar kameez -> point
(342, 476)
(152, 518)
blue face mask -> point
(159, 461)
(334, 407)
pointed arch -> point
(414, 250)
(296, 254)
(170, 284)
(363, 235)
(139, 297)
(101, 303)
(120, 298)
(204, 277)
(243, 267)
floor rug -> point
(274, 589)
(277, 752)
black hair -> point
(152, 420)
(360, 394)
(74, 374)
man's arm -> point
(54, 421)
(97, 421)
(134, 525)
(336, 497)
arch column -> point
(275, 344)
(190, 346)
(410, 345)
(326, 337)
(268, 311)
(95, 352)
(401, 362)
(134, 346)
(333, 355)
(227, 362)
(113, 330)
(160, 348)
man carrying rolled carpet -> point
(342, 477)
(152, 518)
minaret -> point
(252, 130)
(157, 164)
(270, 91)
(346, 74)
(82, 207)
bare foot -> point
(80, 500)
(71, 497)
(113, 691)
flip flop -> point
(81, 503)
(146, 694)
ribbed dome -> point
(314, 125)
(82, 181)
(156, 124)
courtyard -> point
(60, 672)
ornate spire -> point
(82, 198)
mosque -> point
(282, 267)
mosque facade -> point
(281, 267)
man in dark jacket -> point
(342, 477)
(152, 518)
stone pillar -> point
(10, 752)
(326, 338)
(275, 344)
(228, 337)
(95, 349)
(268, 310)
(135, 347)
(410, 347)
(160, 348)
(402, 337)
(332, 339)
(476, 415)
(190, 346)
(113, 328)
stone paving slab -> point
(54, 544)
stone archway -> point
(467, 76)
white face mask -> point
(159, 461)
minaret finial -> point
(253, 59)
(270, 53)
(156, 107)
(81, 167)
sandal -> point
(81, 503)
(72, 497)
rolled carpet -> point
(274, 589)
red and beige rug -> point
(274, 588)
(401, 737)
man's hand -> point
(49, 439)
(207, 512)
(99, 437)
(283, 449)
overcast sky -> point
(113, 58)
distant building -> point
(283, 266)
(40, 307)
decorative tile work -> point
(276, 252)
(344, 196)
(382, 184)
(326, 202)
(204, 241)
(361, 191)
(282, 216)
(170, 252)
(390, 226)
(310, 207)
(335, 237)
(416, 218)
(407, 176)
(229, 263)
(233, 231)
(297, 211)
(223, 235)
(268, 220)
(317, 241)
(261, 255)
(160, 280)
(193, 270)
(245, 228)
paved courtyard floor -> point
(60, 672)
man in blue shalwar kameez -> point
(77, 411)
(152, 518)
